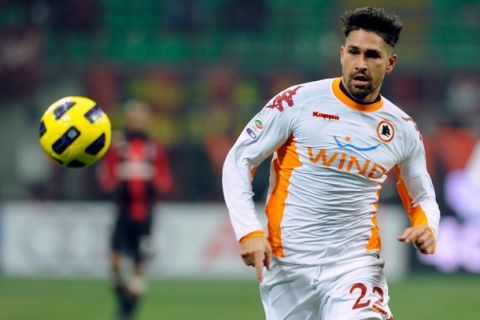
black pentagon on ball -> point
(43, 129)
(65, 140)
(94, 113)
(96, 145)
(76, 164)
(62, 109)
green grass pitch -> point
(419, 297)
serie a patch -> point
(255, 127)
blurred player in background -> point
(135, 170)
(333, 141)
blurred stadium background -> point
(206, 67)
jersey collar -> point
(352, 104)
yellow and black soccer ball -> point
(75, 131)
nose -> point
(361, 63)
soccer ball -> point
(75, 132)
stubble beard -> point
(359, 93)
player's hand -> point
(257, 252)
(421, 237)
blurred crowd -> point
(203, 85)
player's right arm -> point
(264, 133)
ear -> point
(342, 51)
(392, 61)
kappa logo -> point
(327, 116)
(286, 96)
(385, 131)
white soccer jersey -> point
(331, 157)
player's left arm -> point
(418, 196)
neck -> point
(347, 93)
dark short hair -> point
(386, 25)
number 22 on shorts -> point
(362, 302)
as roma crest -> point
(385, 131)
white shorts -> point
(353, 289)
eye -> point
(373, 54)
(353, 51)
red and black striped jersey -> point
(136, 168)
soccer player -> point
(135, 171)
(333, 142)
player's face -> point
(365, 59)
(137, 117)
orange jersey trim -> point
(287, 159)
(253, 171)
(352, 104)
(416, 214)
(254, 234)
(374, 242)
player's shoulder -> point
(297, 94)
(313, 87)
(402, 119)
